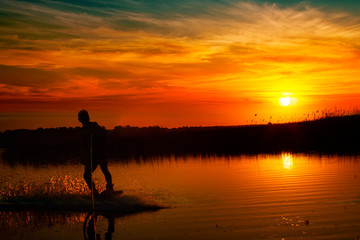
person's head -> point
(83, 116)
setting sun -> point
(285, 101)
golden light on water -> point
(287, 160)
(286, 195)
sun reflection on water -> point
(287, 160)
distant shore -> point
(332, 135)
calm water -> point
(248, 197)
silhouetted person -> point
(94, 138)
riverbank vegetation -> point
(330, 135)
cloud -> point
(175, 52)
(102, 28)
(28, 77)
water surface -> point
(242, 197)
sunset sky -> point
(176, 63)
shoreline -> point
(333, 135)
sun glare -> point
(285, 101)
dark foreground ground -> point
(335, 135)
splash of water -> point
(55, 187)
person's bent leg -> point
(107, 174)
(88, 179)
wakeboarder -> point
(94, 154)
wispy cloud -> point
(174, 52)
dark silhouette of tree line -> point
(331, 135)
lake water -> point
(242, 197)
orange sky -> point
(226, 64)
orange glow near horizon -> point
(179, 72)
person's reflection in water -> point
(111, 227)
(89, 227)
